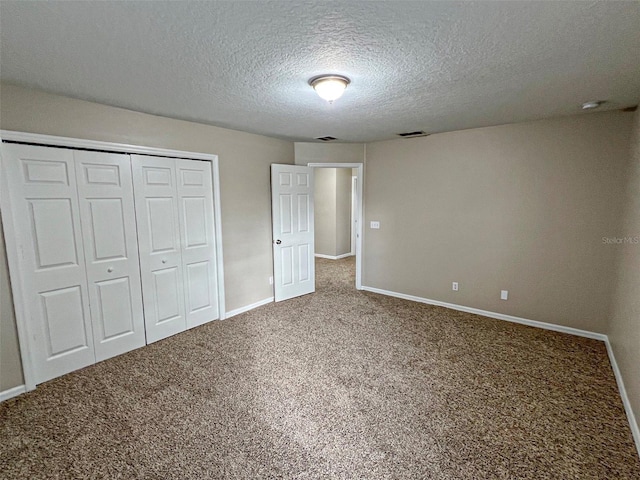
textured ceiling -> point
(433, 66)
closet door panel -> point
(162, 226)
(168, 294)
(105, 190)
(156, 201)
(115, 313)
(197, 229)
(64, 313)
(43, 190)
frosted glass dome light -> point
(329, 87)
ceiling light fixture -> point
(591, 105)
(329, 87)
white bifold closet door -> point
(107, 212)
(76, 236)
(195, 211)
(174, 210)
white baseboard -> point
(12, 392)
(330, 257)
(635, 429)
(246, 308)
(499, 316)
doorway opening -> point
(338, 215)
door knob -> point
(110, 269)
(278, 242)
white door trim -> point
(68, 142)
(360, 211)
(354, 213)
(9, 225)
(18, 288)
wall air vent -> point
(418, 133)
(326, 139)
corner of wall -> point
(624, 326)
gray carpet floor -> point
(338, 384)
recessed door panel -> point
(196, 223)
(105, 190)
(167, 293)
(64, 320)
(44, 198)
(285, 179)
(114, 308)
(199, 279)
(162, 225)
(156, 176)
(303, 179)
(107, 228)
(192, 178)
(286, 214)
(45, 172)
(102, 174)
(287, 265)
(304, 267)
(303, 213)
(53, 232)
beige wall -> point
(325, 211)
(10, 364)
(343, 210)
(328, 153)
(519, 207)
(244, 171)
(624, 332)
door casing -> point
(359, 210)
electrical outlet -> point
(270, 280)
(375, 225)
(454, 286)
(504, 294)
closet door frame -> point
(13, 247)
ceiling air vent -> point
(418, 133)
(326, 139)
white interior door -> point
(156, 203)
(293, 234)
(105, 191)
(43, 189)
(195, 200)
